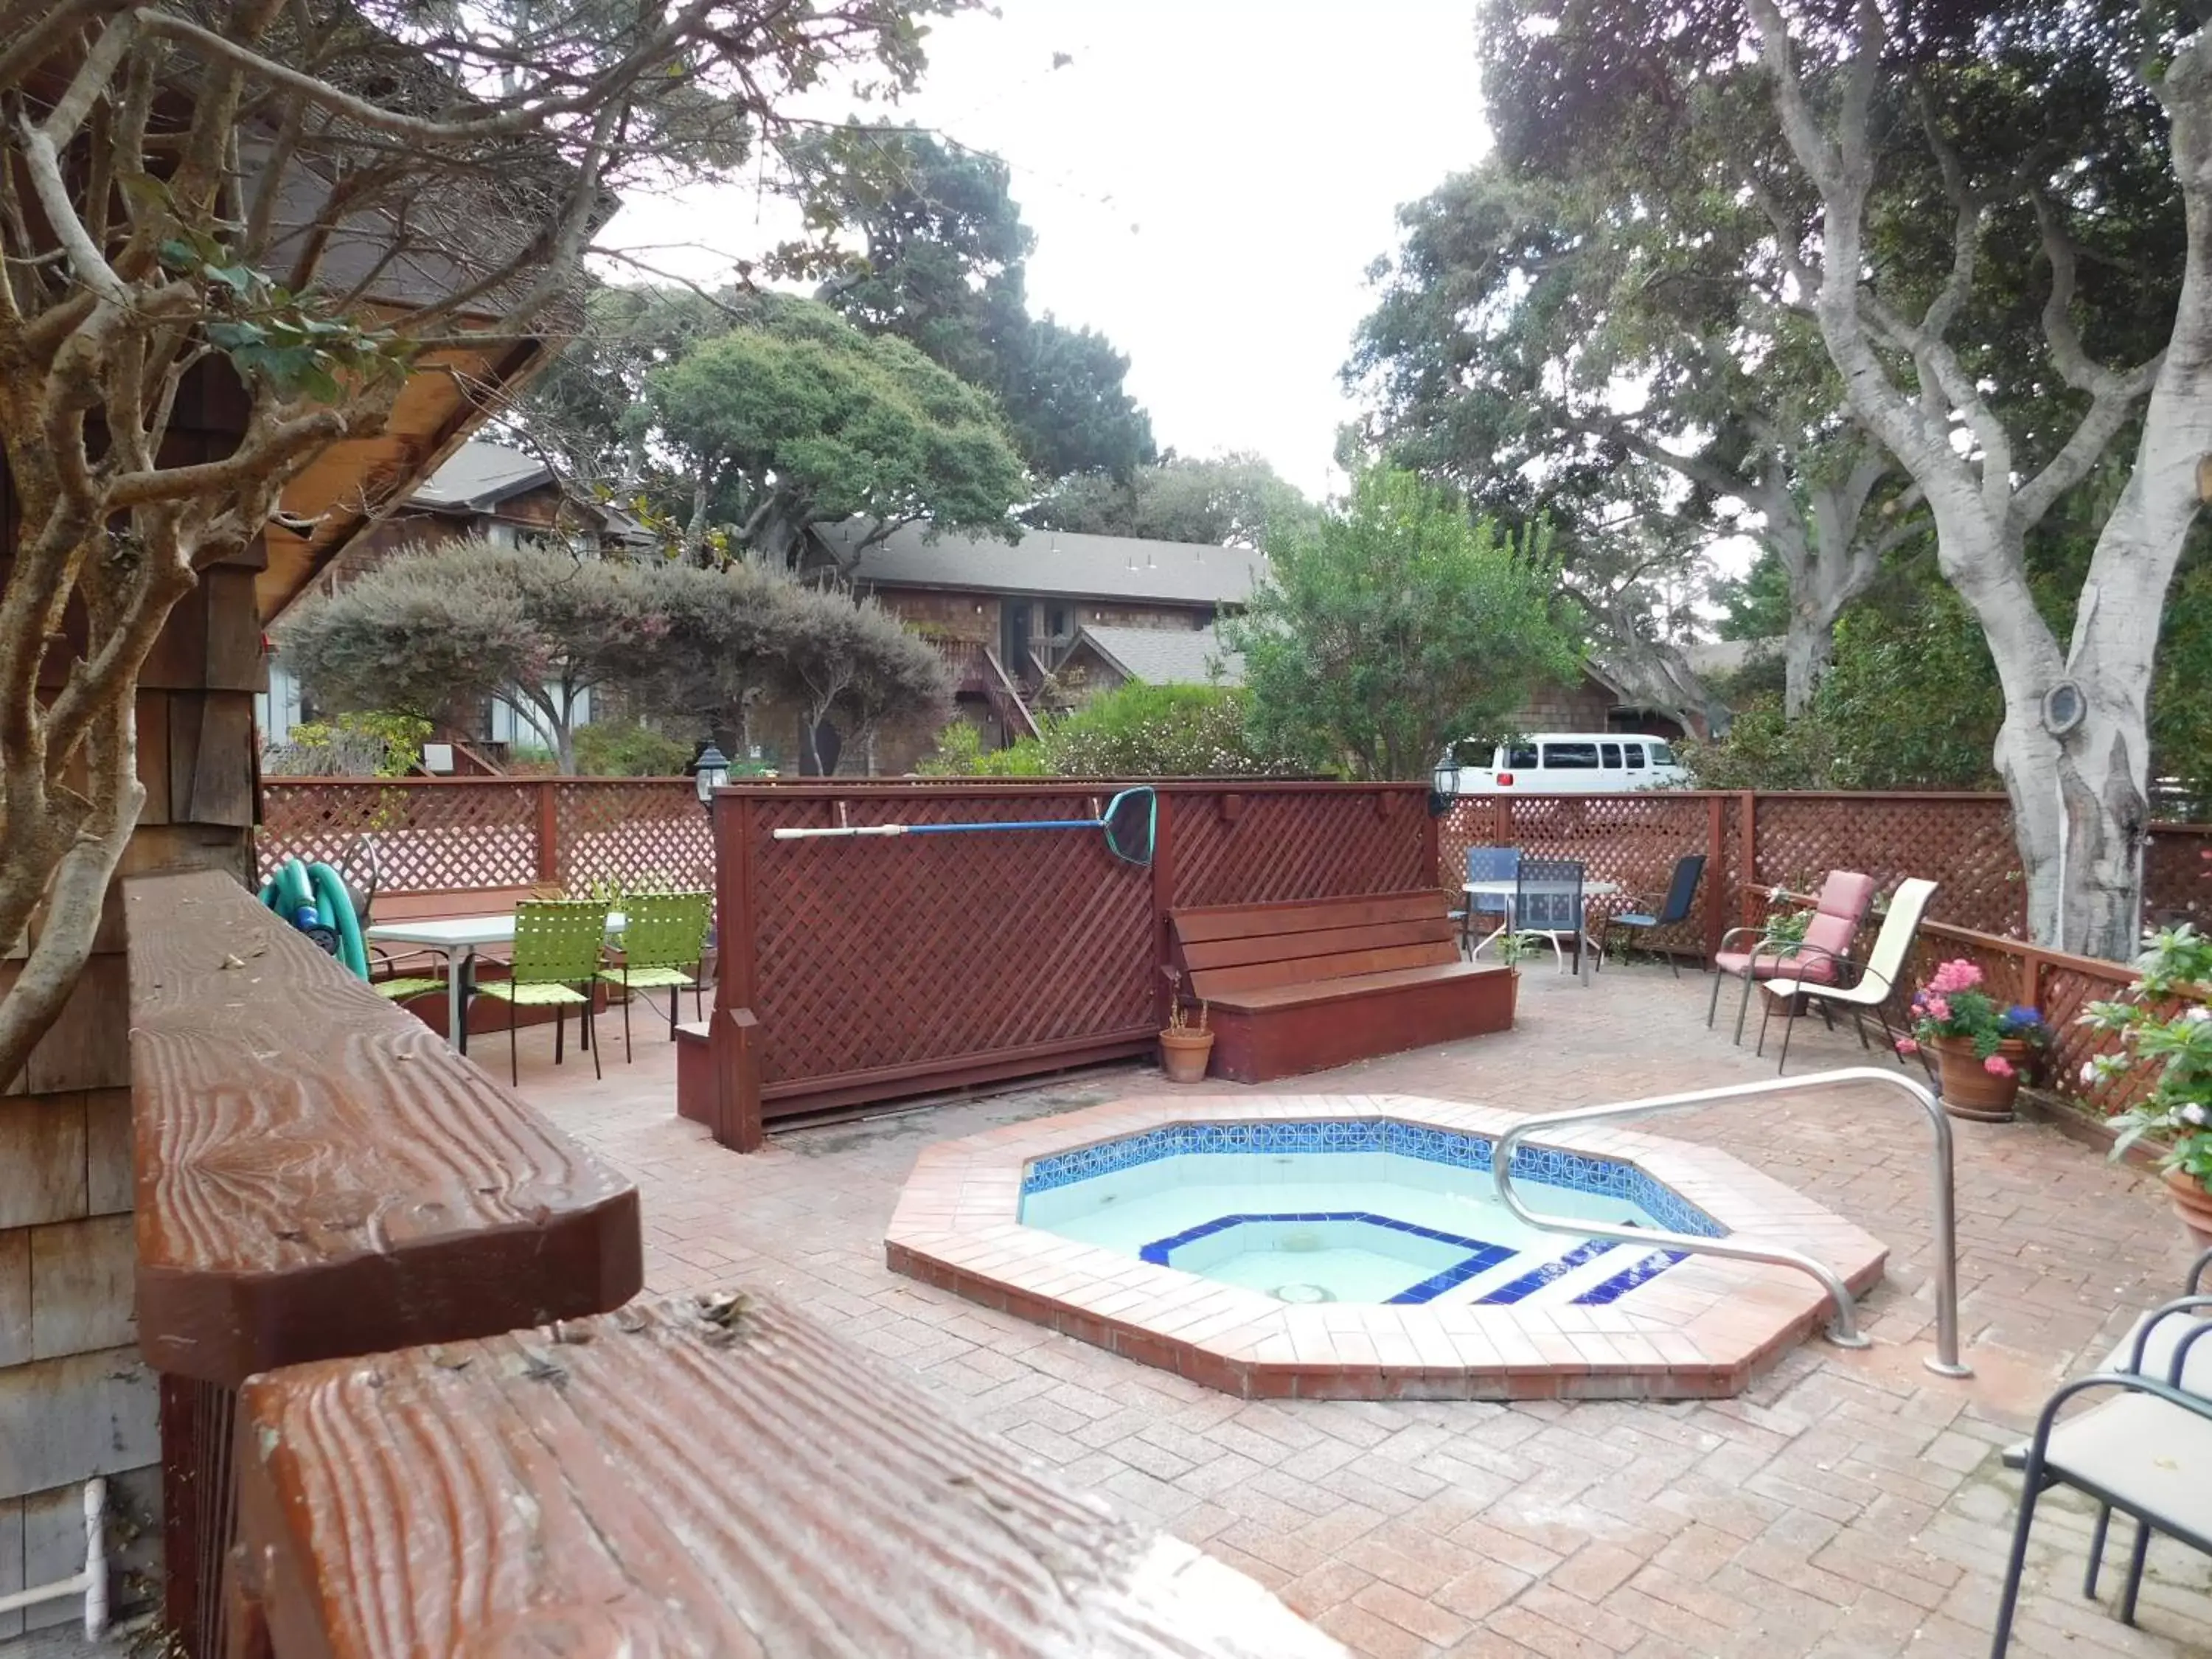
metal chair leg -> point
(2096, 1550)
(560, 1020)
(513, 1066)
(585, 1020)
(1858, 1024)
(1713, 1006)
(627, 1058)
(2136, 1559)
(1789, 1024)
(1743, 1008)
(2008, 1599)
(1766, 1013)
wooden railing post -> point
(1716, 876)
(1164, 893)
(549, 833)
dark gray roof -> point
(1167, 656)
(479, 476)
(1053, 562)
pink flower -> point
(1907, 1045)
(1938, 1008)
(1997, 1065)
(1957, 975)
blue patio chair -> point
(1548, 900)
(1486, 864)
(1681, 889)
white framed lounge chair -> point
(1855, 985)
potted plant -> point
(1512, 949)
(2164, 1024)
(1186, 1045)
(1981, 1048)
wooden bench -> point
(702, 1476)
(1303, 986)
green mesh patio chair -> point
(664, 945)
(388, 981)
(558, 944)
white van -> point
(1563, 764)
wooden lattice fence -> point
(457, 836)
(872, 968)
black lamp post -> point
(709, 773)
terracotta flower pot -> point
(2192, 1204)
(1184, 1054)
(1971, 1089)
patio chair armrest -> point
(1738, 933)
(2196, 1271)
(1858, 968)
(2180, 1304)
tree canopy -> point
(1229, 501)
(1395, 627)
(793, 416)
(279, 212)
(941, 263)
(429, 633)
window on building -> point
(1057, 621)
(1571, 756)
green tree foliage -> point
(366, 744)
(1395, 627)
(430, 634)
(1229, 501)
(941, 264)
(1135, 731)
(629, 749)
(742, 637)
(797, 416)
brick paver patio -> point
(1848, 1504)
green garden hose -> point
(314, 900)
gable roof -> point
(477, 477)
(1165, 656)
(1055, 562)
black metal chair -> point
(1681, 890)
(2146, 1450)
(1547, 899)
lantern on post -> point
(709, 773)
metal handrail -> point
(1844, 1331)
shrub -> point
(377, 744)
(629, 749)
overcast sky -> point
(1208, 182)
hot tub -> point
(1356, 1249)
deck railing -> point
(320, 1177)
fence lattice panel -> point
(1295, 844)
(1965, 845)
(899, 951)
(429, 838)
(2178, 874)
(624, 831)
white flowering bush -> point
(2159, 1027)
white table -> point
(459, 938)
(1510, 890)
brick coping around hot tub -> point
(1704, 1328)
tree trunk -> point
(1808, 651)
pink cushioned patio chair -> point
(1845, 896)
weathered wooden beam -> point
(318, 1174)
(711, 1475)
